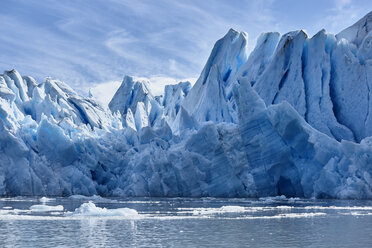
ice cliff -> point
(293, 117)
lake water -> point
(183, 222)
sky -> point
(94, 43)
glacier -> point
(292, 117)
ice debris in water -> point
(90, 209)
(221, 210)
(94, 198)
(46, 208)
(45, 199)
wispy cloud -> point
(343, 13)
(89, 42)
(86, 42)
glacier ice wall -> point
(290, 118)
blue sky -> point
(86, 42)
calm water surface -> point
(184, 222)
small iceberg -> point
(45, 208)
(45, 199)
(90, 209)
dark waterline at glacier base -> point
(188, 222)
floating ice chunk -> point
(46, 208)
(358, 213)
(284, 207)
(221, 210)
(94, 198)
(90, 209)
(360, 208)
(287, 215)
(45, 199)
(273, 198)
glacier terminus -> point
(293, 117)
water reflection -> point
(93, 232)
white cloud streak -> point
(89, 42)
